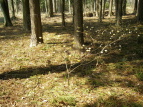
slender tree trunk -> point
(84, 6)
(103, 10)
(91, 6)
(110, 8)
(135, 6)
(97, 8)
(124, 7)
(5, 10)
(26, 15)
(54, 5)
(73, 13)
(50, 8)
(78, 24)
(140, 11)
(94, 5)
(13, 11)
(16, 5)
(46, 7)
(69, 1)
(100, 11)
(63, 12)
(36, 27)
(59, 6)
(118, 5)
(43, 8)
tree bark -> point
(50, 8)
(5, 10)
(46, 7)
(140, 11)
(26, 15)
(91, 5)
(63, 12)
(73, 13)
(36, 27)
(94, 5)
(78, 24)
(84, 6)
(100, 11)
(97, 8)
(69, 1)
(103, 10)
(13, 11)
(124, 7)
(54, 6)
(110, 8)
(135, 6)
(118, 5)
(16, 5)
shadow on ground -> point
(115, 101)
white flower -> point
(87, 50)
(40, 37)
(44, 101)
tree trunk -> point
(26, 15)
(78, 24)
(140, 11)
(118, 5)
(69, 6)
(43, 8)
(124, 7)
(135, 6)
(50, 8)
(91, 5)
(46, 7)
(97, 8)
(5, 10)
(110, 8)
(36, 27)
(16, 5)
(13, 11)
(94, 5)
(73, 13)
(54, 6)
(103, 10)
(63, 12)
(100, 11)
(84, 6)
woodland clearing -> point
(108, 73)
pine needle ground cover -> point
(108, 72)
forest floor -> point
(107, 73)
